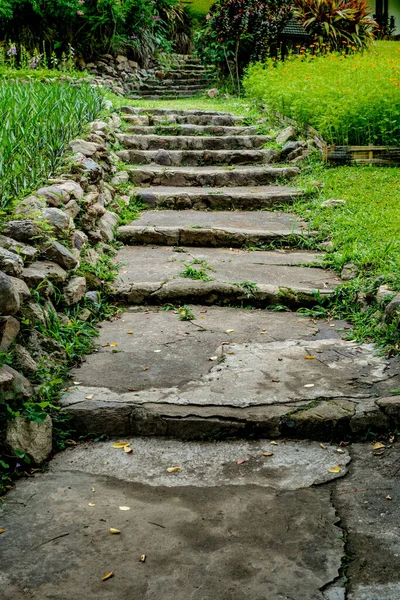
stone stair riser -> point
(191, 130)
(138, 142)
(198, 157)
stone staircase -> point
(184, 77)
(208, 247)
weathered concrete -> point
(154, 275)
(215, 529)
(196, 228)
(225, 198)
(210, 176)
(154, 374)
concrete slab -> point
(368, 502)
(202, 540)
(223, 228)
(217, 198)
(154, 275)
(229, 372)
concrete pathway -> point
(224, 495)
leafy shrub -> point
(92, 27)
(349, 99)
(239, 31)
(38, 121)
(338, 23)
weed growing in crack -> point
(184, 312)
(248, 287)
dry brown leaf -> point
(344, 443)
(322, 446)
(241, 461)
(121, 444)
(90, 397)
(275, 380)
(131, 389)
(114, 531)
(128, 450)
(267, 453)
(173, 469)
(145, 368)
(309, 357)
(107, 575)
(124, 508)
(378, 446)
(142, 558)
(334, 470)
(130, 332)
(2, 531)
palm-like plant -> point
(340, 24)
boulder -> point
(57, 219)
(35, 439)
(60, 254)
(289, 133)
(23, 361)
(91, 256)
(93, 297)
(41, 270)
(98, 126)
(73, 188)
(20, 385)
(21, 289)
(9, 329)
(383, 292)
(9, 297)
(392, 311)
(10, 263)
(79, 239)
(54, 194)
(24, 250)
(72, 209)
(97, 210)
(36, 313)
(106, 225)
(74, 290)
(88, 167)
(30, 207)
(163, 157)
(22, 230)
(213, 93)
(6, 381)
(84, 147)
(120, 177)
(349, 272)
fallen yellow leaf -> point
(340, 450)
(267, 453)
(309, 357)
(334, 470)
(130, 332)
(323, 447)
(107, 576)
(90, 397)
(114, 531)
(173, 469)
(2, 531)
(91, 504)
(378, 445)
(121, 444)
(142, 558)
(124, 508)
(127, 450)
(273, 443)
(113, 345)
(230, 330)
(213, 358)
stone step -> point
(210, 176)
(158, 275)
(221, 120)
(130, 110)
(191, 130)
(228, 372)
(171, 89)
(193, 80)
(179, 74)
(212, 198)
(170, 142)
(198, 157)
(209, 229)
(164, 96)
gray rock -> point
(9, 329)
(22, 230)
(93, 297)
(41, 270)
(35, 439)
(54, 194)
(392, 311)
(72, 209)
(6, 381)
(57, 218)
(88, 167)
(79, 239)
(97, 210)
(128, 110)
(333, 202)
(74, 290)
(289, 133)
(84, 147)
(30, 207)
(349, 272)
(21, 386)
(163, 158)
(383, 292)
(106, 225)
(98, 126)
(27, 252)
(213, 93)
(9, 296)
(60, 254)
(36, 313)
(290, 147)
(21, 289)
(84, 314)
(10, 263)
(72, 188)
(23, 361)
(120, 177)
(91, 256)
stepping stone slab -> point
(198, 157)
(196, 228)
(186, 142)
(154, 275)
(210, 176)
(184, 129)
(215, 529)
(225, 372)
